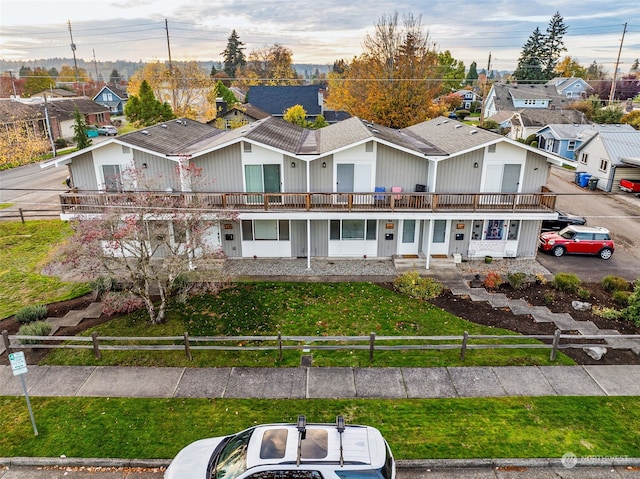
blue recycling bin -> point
(578, 175)
(584, 180)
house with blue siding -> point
(564, 139)
(351, 190)
(571, 87)
(113, 98)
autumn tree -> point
(68, 75)
(221, 91)
(296, 115)
(80, 136)
(233, 55)
(395, 80)
(144, 109)
(271, 65)
(37, 81)
(595, 71)
(150, 242)
(569, 67)
(21, 142)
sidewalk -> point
(313, 383)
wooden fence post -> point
(21, 215)
(96, 348)
(556, 343)
(187, 348)
(463, 350)
(279, 346)
(372, 340)
(5, 340)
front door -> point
(440, 237)
(408, 243)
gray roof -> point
(505, 94)
(12, 110)
(173, 137)
(621, 144)
(537, 117)
(580, 132)
(451, 136)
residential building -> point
(240, 114)
(610, 155)
(351, 190)
(469, 99)
(571, 87)
(527, 122)
(112, 97)
(564, 139)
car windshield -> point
(232, 460)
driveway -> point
(618, 212)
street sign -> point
(18, 363)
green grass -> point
(5, 205)
(416, 429)
(24, 249)
(303, 309)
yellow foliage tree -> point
(21, 144)
(67, 74)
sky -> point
(317, 32)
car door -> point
(583, 243)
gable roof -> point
(504, 95)
(563, 131)
(277, 99)
(249, 110)
(64, 108)
(451, 136)
(621, 145)
(12, 110)
(119, 92)
(539, 117)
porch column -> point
(308, 243)
(429, 240)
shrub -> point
(61, 143)
(614, 283)
(632, 311)
(584, 293)
(493, 280)
(567, 282)
(36, 328)
(31, 313)
(540, 279)
(121, 303)
(621, 297)
(101, 286)
(549, 298)
(414, 286)
(462, 114)
(606, 313)
(517, 280)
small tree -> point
(80, 136)
(144, 109)
(296, 115)
(149, 240)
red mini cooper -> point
(578, 240)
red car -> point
(578, 240)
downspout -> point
(308, 163)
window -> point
(408, 231)
(110, 96)
(265, 230)
(494, 230)
(125, 150)
(514, 227)
(247, 147)
(571, 145)
(368, 147)
(604, 164)
(492, 148)
(352, 229)
(584, 157)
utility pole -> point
(484, 90)
(95, 64)
(173, 83)
(73, 49)
(615, 70)
(49, 130)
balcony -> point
(91, 203)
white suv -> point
(288, 451)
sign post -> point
(19, 368)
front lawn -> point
(516, 427)
(24, 249)
(302, 309)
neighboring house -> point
(571, 87)
(62, 111)
(469, 98)
(512, 97)
(56, 93)
(112, 97)
(351, 190)
(611, 155)
(564, 139)
(527, 122)
(28, 117)
(276, 100)
(241, 114)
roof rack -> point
(302, 433)
(340, 428)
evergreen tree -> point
(233, 55)
(472, 75)
(553, 44)
(114, 78)
(531, 61)
(80, 136)
(144, 109)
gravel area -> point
(504, 267)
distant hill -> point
(127, 68)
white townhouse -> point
(350, 190)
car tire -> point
(606, 253)
(558, 251)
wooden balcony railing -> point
(82, 203)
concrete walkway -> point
(313, 383)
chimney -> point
(221, 106)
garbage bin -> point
(593, 183)
(578, 175)
(584, 180)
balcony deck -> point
(88, 203)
